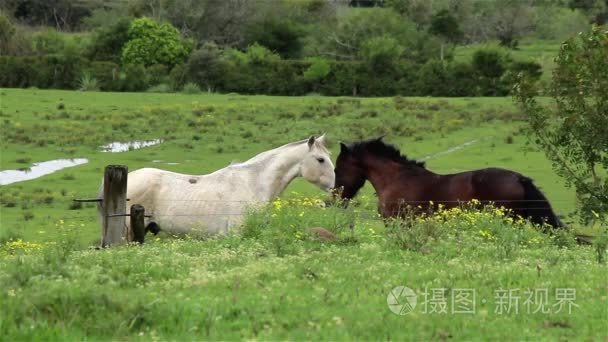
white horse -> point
(214, 203)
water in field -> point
(164, 162)
(38, 170)
(129, 146)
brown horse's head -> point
(350, 173)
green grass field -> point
(273, 280)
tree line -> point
(333, 47)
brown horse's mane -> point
(379, 148)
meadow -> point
(273, 279)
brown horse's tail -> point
(538, 210)
(536, 206)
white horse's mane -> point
(266, 155)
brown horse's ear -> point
(343, 147)
(311, 141)
(381, 137)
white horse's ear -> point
(311, 141)
(322, 139)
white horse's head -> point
(316, 166)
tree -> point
(153, 43)
(419, 11)
(108, 42)
(345, 41)
(445, 25)
(62, 14)
(277, 34)
(510, 20)
(574, 134)
(381, 53)
(222, 22)
(597, 10)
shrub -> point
(177, 77)
(462, 80)
(381, 53)
(153, 43)
(342, 79)
(107, 75)
(433, 79)
(285, 78)
(134, 78)
(160, 88)
(157, 74)
(206, 67)
(191, 88)
(88, 83)
(47, 41)
(318, 69)
(490, 65)
(530, 70)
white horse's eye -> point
(321, 160)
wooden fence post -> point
(114, 206)
(138, 227)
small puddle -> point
(38, 170)
(116, 146)
(164, 162)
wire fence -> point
(513, 204)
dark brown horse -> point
(399, 181)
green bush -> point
(259, 71)
(48, 41)
(191, 88)
(17, 72)
(177, 77)
(52, 71)
(342, 80)
(433, 79)
(88, 83)
(206, 66)
(160, 88)
(153, 43)
(287, 78)
(157, 74)
(462, 80)
(490, 65)
(134, 78)
(107, 75)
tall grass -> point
(264, 277)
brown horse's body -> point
(399, 181)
